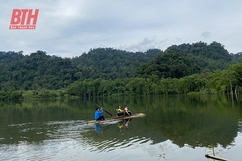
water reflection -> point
(124, 124)
(98, 128)
(112, 135)
(174, 128)
(82, 139)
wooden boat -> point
(117, 118)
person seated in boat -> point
(120, 112)
(127, 111)
(98, 114)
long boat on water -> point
(117, 118)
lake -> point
(175, 128)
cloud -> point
(206, 34)
(144, 45)
(72, 28)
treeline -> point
(182, 69)
(39, 70)
(216, 82)
(108, 63)
(184, 60)
(35, 71)
(32, 94)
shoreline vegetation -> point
(216, 82)
(189, 69)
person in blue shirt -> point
(98, 114)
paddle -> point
(104, 110)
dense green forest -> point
(108, 63)
(186, 59)
(180, 69)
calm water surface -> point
(183, 128)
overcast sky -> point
(70, 28)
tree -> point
(234, 76)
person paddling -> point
(98, 114)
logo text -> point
(24, 19)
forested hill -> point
(41, 71)
(109, 63)
(186, 59)
(237, 58)
(9, 57)
(213, 51)
(35, 71)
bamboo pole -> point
(117, 118)
(215, 157)
(104, 110)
